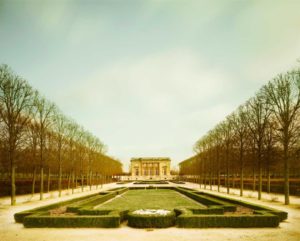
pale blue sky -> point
(149, 77)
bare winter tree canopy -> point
(35, 136)
(259, 139)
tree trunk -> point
(96, 180)
(210, 180)
(33, 181)
(91, 180)
(254, 179)
(42, 183)
(259, 176)
(268, 178)
(73, 181)
(59, 180)
(82, 184)
(13, 185)
(219, 172)
(227, 172)
(69, 180)
(242, 179)
(286, 174)
(76, 181)
(48, 181)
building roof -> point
(150, 159)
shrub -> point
(151, 221)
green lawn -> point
(149, 199)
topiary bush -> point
(151, 221)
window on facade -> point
(136, 171)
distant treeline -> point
(36, 137)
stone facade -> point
(150, 168)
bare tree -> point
(284, 94)
(44, 112)
(16, 102)
(258, 112)
(227, 133)
(59, 128)
(217, 137)
(239, 121)
(72, 129)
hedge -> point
(209, 221)
(208, 201)
(89, 203)
(151, 182)
(76, 203)
(188, 217)
(92, 202)
(281, 214)
(112, 220)
(20, 215)
(151, 221)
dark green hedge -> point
(94, 201)
(20, 215)
(208, 201)
(43, 220)
(195, 211)
(151, 182)
(281, 214)
(74, 204)
(212, 216)
(89, 203)
(209, 221)
(151, 221)
(178, 182)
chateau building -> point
(150, 168)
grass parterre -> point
(187, 208)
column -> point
(140, 169)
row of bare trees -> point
(36, 136)
(260, 138)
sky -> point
(149, 78)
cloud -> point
(157, 80)
(153, 103)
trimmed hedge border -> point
(112, 220)
(213, 221)
(19, 217)
(83, 206)
(151, 221)
(281, 214)
(208, 201)
(189, 217)
(150, 182)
